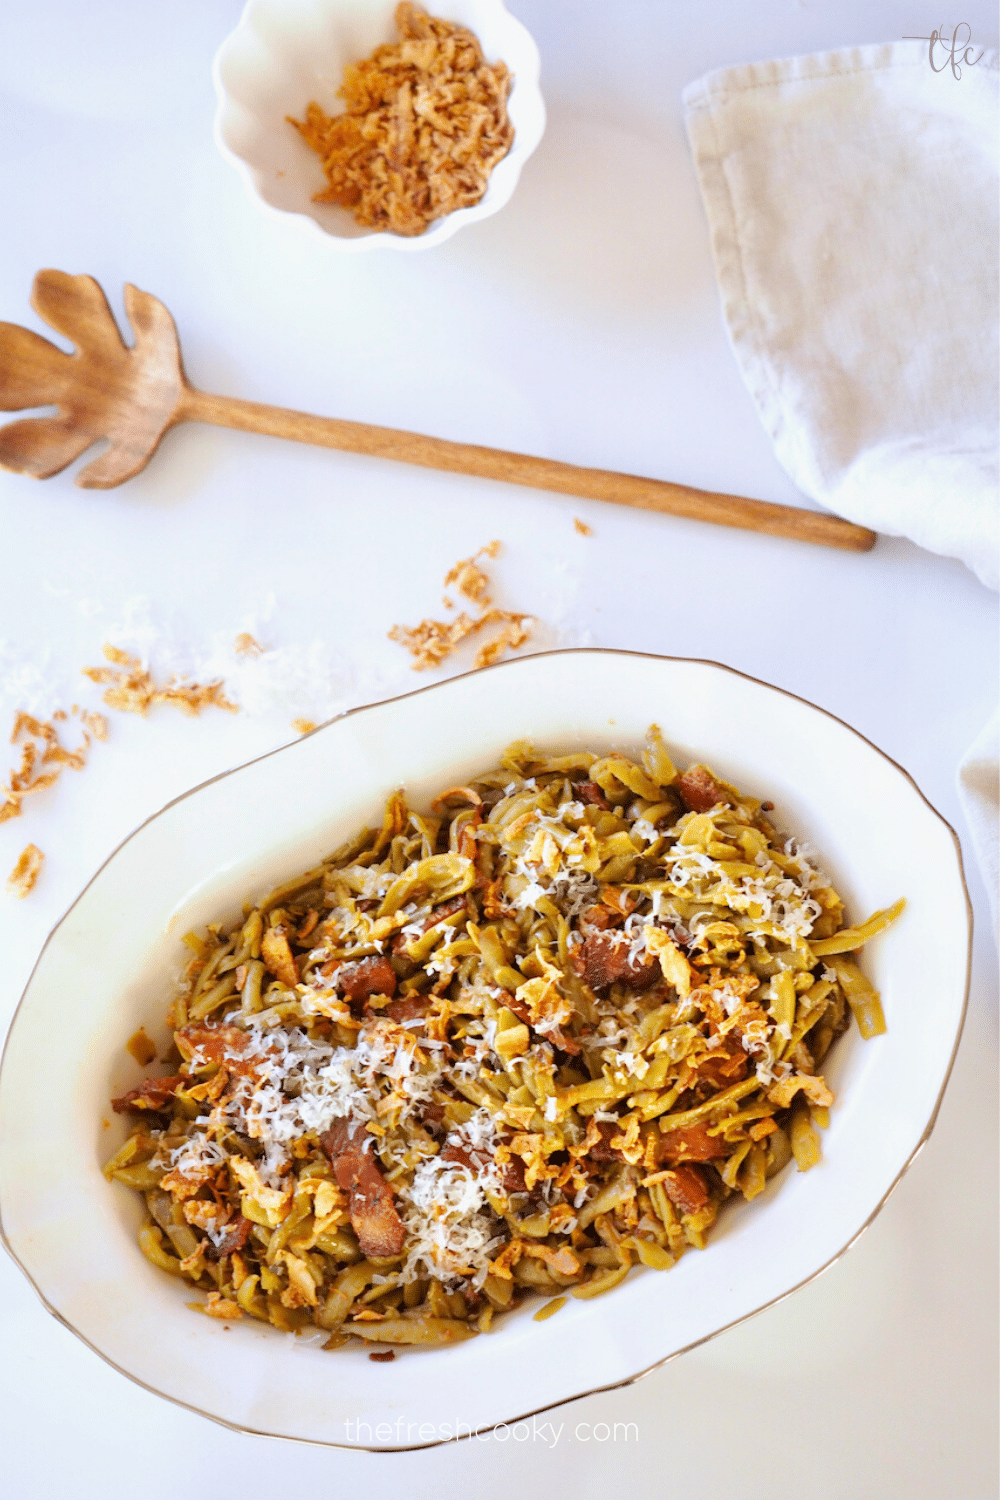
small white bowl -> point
(285, 53)
(110, 964)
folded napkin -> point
(852, 202)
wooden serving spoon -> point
(131, 397)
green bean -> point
(212, 998)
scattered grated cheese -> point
(451, 1232)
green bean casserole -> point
(518, 1043)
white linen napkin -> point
(852, 202)
(851, 198)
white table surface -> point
(582, 324)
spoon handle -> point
(520, 468)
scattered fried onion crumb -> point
(303, 726)
(469, 579)
(133, 691)
(245, 645)
(582, 527)
(24, 874)
(514, 633)
(426, 122)
(433, 641)
(43, 758)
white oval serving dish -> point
(110, 964)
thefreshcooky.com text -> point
(403, 1431)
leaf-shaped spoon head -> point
(102, 390)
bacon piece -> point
(235, 1238)
(464, 1156)
(438, 915)
(553, 1033)
(369, 976)
(602, 1150)
(719, 1072)
(589, 791)
(372, 1212)
(152, 1093)
(183, 1182)
(603, 957)
(445, 910)
(493, 903)
(699, 789)
(513, 1176)
(308, 926)
(690, 1143)
(562, 1042)
(519, 1008)
(686, 1189)
(406, 1009)
(621, 902)
(344, 1137)
(599, 918)
(468, 846)
(477, 1159)
(217, 1043)
(728, 1065)
(277, 956)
